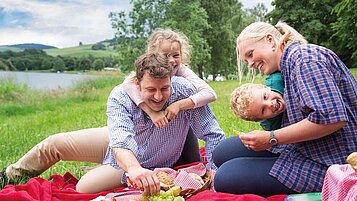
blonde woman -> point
(318, 130)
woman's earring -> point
(273, 49)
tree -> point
(98, 64)
(3, 65)
(192, 21)
(316, 21)
(109, 61)
(225, 19)
(98, 46)
(345, 31)
(70, 62)
(58, 64)
(20, 63)
(47, 63)
(311, 18)
(84, 64)
(134, 28)
(181, 15)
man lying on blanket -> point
(136, 145)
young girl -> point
(175, 47)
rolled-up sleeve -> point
(319, 94)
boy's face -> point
(266, 104)
(155, 91)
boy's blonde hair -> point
(241, 99)
(257, 31)
(161, 34)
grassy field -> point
(78, 51)
(27, 117)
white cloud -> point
(61, 24)
(64, 23)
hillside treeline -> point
(36, 59)
(212, 27)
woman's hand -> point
(256, 140)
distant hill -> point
(5, 48)
(31, 46)
(77, 51)
(21, 47)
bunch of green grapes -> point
(165, 196)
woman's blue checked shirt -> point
(131, 128)
(319, 87)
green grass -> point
(27, 117)
(354, 72)
(78, 51)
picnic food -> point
(352, 160)
(176, 190)
(166, 181)
(197, 178)
(163, 196)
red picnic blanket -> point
(63, 188)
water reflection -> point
(45, 81)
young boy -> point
(264, 103)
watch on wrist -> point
(273, 141)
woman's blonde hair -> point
(242, 98)
(257, 31)
(161, 34)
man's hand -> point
(145, 179)
(256, 140)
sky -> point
(64, 23)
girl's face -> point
(261, 55)
(266, 104)
(172, 51)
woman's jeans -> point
(243, 171)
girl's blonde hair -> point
(257, 31)
(161, 34)
(242, 98)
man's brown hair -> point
(157, 66)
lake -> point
(45, 81)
